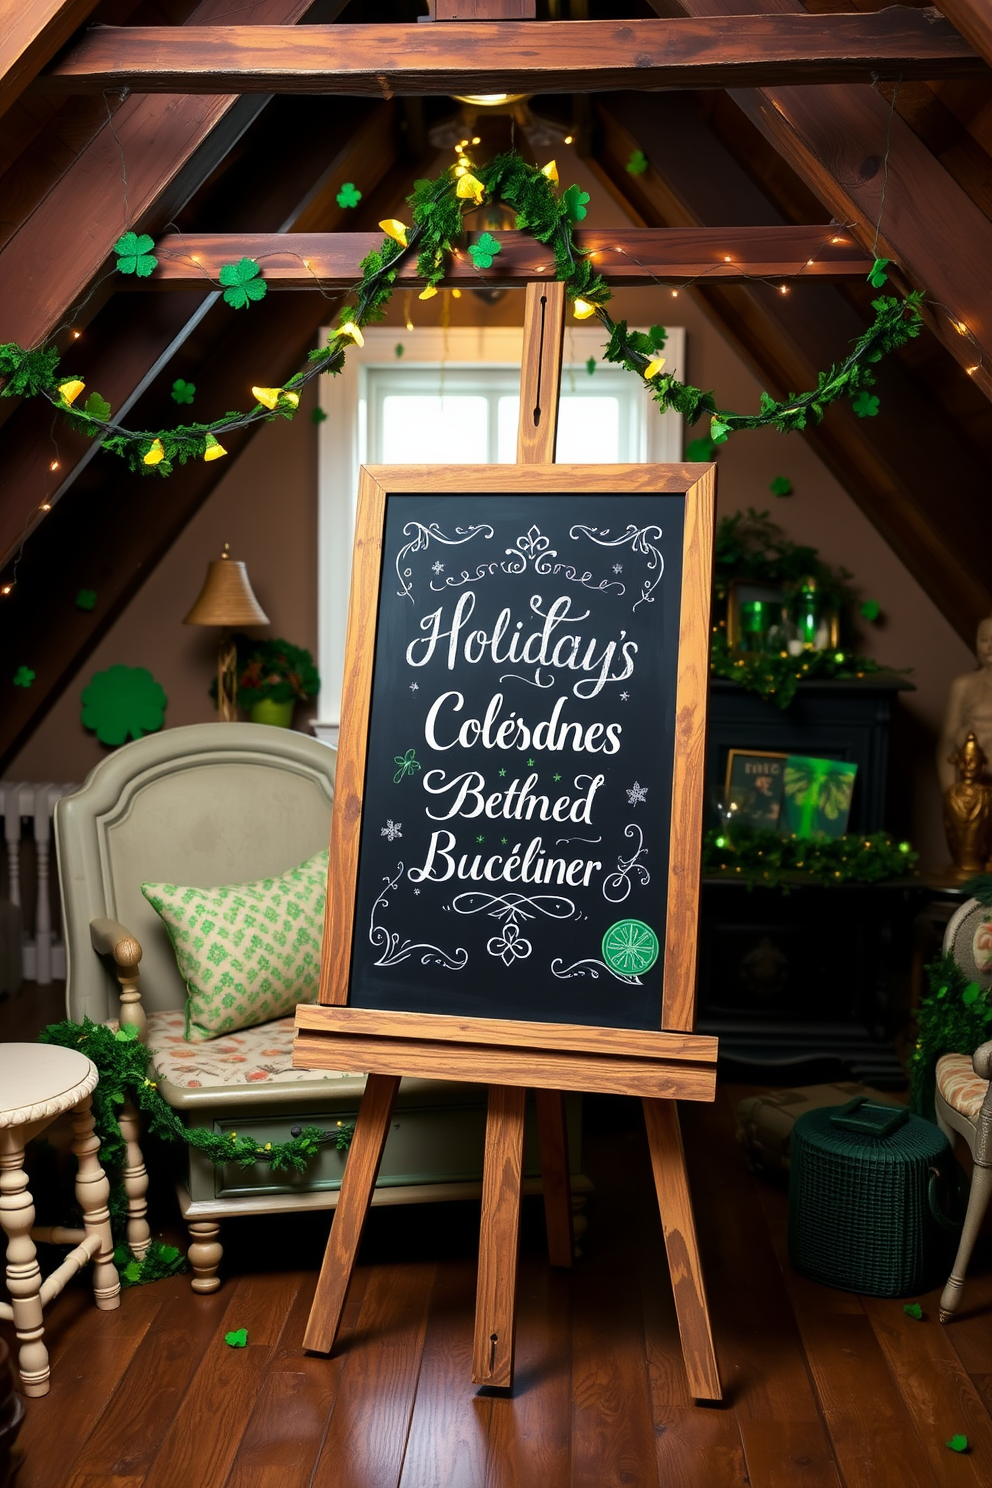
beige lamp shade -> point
(226, 597)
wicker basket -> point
(865, 1200)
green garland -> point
(954, 1017)
(122, 1062)
(438, 207)
(768, 859)
(776, 677)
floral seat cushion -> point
(253, 1056)
(962, 1089)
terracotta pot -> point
(267, 711)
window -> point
(453, 398)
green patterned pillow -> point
(247, 952)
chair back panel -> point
(205, 805)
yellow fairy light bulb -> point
(70, 391)
(267, 396)
(456, 294)
(155, 455)
(582, 310)
(350, 329)
(428, 293)
(214, 450)
(653, 368)
(469, 186)
(395, 229)
(551, 171)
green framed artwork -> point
(754, 785)
(816, 801)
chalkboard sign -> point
(519, 790)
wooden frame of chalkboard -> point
(568, 1041)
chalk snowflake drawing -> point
(393, 950)
(618, 568)
(592, 969)
(637, 794)
(509, 945)
(531, 549)
(437, 568)
(391, 830)
(616, 886)
(421, 537)
(642, 541)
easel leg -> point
(492, 1354)
(361, 1170)
(553, 1140)
(672, 1187)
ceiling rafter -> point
(32, 33)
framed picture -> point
(756, 616)
(817, 796)
(754, 787)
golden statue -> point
(968, 811)
(969, 709)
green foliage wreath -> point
(438, 207)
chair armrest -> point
(981, 1061)
(112, 939)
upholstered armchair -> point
(209, 805)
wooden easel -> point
(393, 1044)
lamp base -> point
(227, 681)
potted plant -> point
(273, 676)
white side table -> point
(37, 1083)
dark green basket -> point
(866, 1188)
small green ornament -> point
(123, 703)
(591, 366)
(718, 431)
(877, 277)
(86, 599)
(398, 350)
(781, 486)
(349, 195)
(317, 415)
(575, 201)
(134, 254)
(870, 609)
(630, 947)
(914, 1310)
(484, 251)
(958, 1443)
(237, 1338)
(97, 407)
(865, 405)
(24, 676)
(638, 163)
(243, 283)
(182, 392)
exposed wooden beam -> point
(973, 19)
(516, 56)
(907, 469)
(625, 257)
(837, 139)
(31, 34)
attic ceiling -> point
(779, 155)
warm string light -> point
(55, 465)
(6, 589)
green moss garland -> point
(437, 224)
(771, 860)
(775, 678)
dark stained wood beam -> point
(973, 18)
(907, 468)
(300, 260)
(836, 139)
(31, 34)
(517, 56)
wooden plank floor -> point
(824, 1389)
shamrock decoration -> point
(484, 251)
(399, 349)
(591, 366)
(700, 449)
(182, 392)
(123, 703)
(781, 486)
(574, 201)
(317, 415)
(971, 994)
(865, 405)
(718, 430)
(870, 609)
(134, 255)
(349, 195)
(237, 1338)
(958, 1443)
(244, 283)
(408, 765)
(914, 1310)
(96, 406)
(657, 335)
(638, 163)
(878, 276)
(24, 676)
(86, 599)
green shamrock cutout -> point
(237, 1338)
(484, 251)
(182, 392)
(96, 406)
(408, 765)
(317, 415)
(700, 449)
(718, 431)
(865, 405)
(657, 335)
(958, 1443)
(878, 276)
(781, 486)
(134, 256)
(244, 283)
(399, 349)
(86, 599)
(914, 1310)
(574, 201)
(870, 609)
(24, 676)
(123, 703)
(638, 163)
(349, 195)
(591, 366)
(971, 994)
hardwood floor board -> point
(970, 1333)
(101, 1480)
(200, 1445)
(788, 1454)
(367, 1437)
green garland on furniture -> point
(776, 677)
(768, 859)
(122, 1062)
(954, 1017)
(438, 207)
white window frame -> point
(342, 441)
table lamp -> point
(226, 599)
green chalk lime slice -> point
(630, 947)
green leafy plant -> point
(244, 283)
(954, 1017)
(484, 251)
(273, 670)
(134, 255)
(349, 195)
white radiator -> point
(25, 804)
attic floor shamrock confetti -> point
(237, 1338)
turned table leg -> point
(23, 1272)
(93, 1193)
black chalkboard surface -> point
(513, 858)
